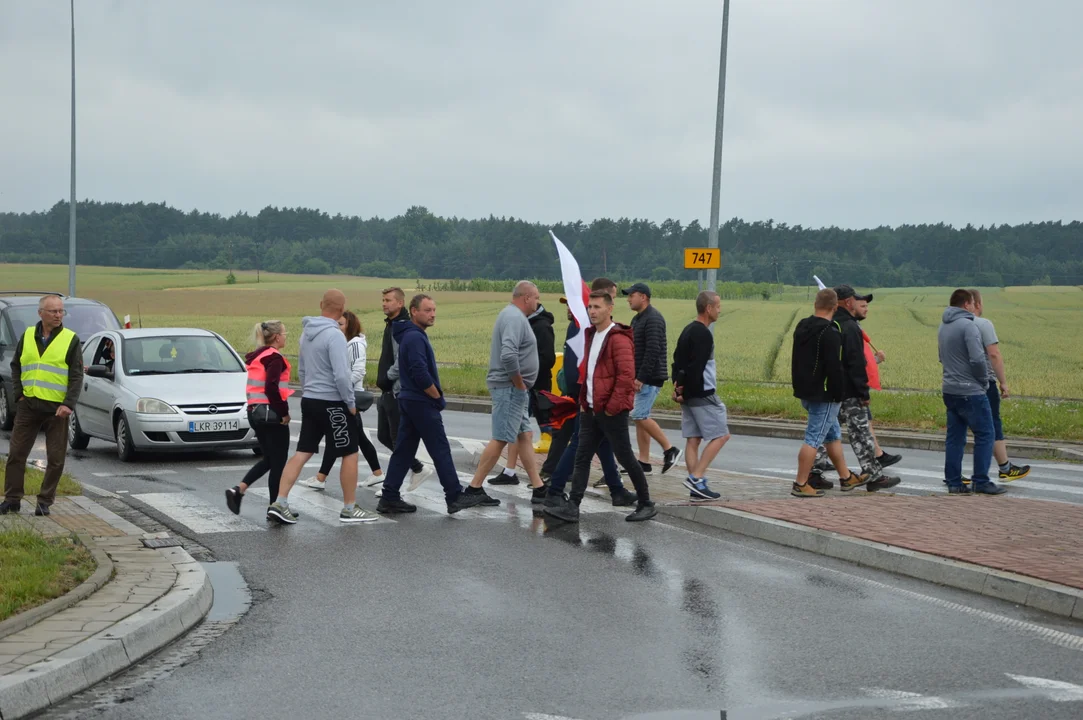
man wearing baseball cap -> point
(854, 411)
(649, 332)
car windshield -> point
(178, 355)
(83, 320)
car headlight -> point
(153, 406)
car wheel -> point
(77, 439)
(7, 413)
(125, 446)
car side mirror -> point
(99, 371)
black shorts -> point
(330, 422)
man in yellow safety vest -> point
(47, 373)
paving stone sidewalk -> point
(141, 576)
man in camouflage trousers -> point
(854, 411)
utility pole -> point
(716, 190)
(71, 218)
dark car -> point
(19, 310)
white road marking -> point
(543, 716)
(910, 701)
(315, 504)
(239, 468)
(98, 490)
(1073, 468)
(133, 474)
(195, 514)
(1057, 691)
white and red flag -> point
(128, 322)
(576, 290)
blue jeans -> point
(420, 421)
(566, 465)
(968, 411)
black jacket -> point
(387, 353)
(571, 363)
(649, 330)
(541, 322)
(695, 349)
(853, 357)
(816, 366)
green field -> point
(1040, 331)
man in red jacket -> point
(606, 398)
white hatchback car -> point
(162, 390)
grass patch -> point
(35, 570)
(34, 477)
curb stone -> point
(60, 676)
(88, 587)
(1018, 589)
(793, 430)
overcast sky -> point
(838, 112)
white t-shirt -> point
(592, 361)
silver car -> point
(162, 390)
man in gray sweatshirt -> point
(513, 368)
(962, 356)
(327, 407)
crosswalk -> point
(1062, 483)
(201, 516)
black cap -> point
(637, 288)
(845, 291)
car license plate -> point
(203, 426)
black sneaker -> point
(564, 509)
(817, 481)
(552, 500)
(486, 498)
(538, 494)
(9, 507)
(416, 466)
(647, 469)
(233, 500)
(988, 488)
(887, 459)
(959, 490)
(669, 459)
(643, 512)
(624, 498)
(1014, 472)
(545, 475)
(502, 478)
(394, 506)
(882, 483)
(465, 501)
(41, 510)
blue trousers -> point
(420, 422)
(566, 465)
(968, 411)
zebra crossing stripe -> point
(195, 514)
(313, 503)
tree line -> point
(420, 244)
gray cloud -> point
(847, 112)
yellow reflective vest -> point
(46, 376)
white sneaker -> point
(313, 483)
(369, 481)
(417, 478)
(380, 492)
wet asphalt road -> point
(506, 616)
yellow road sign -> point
(702, 259)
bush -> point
(231, 279)
(662, 274)
(315, 266)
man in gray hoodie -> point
(962, 356)
(327, 407)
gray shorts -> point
(704, 418)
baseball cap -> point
(637, 288)
(845, 291)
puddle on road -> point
(231, 595)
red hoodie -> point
(614, 373)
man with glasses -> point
(47, 374)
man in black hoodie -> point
(855, 401)
(387, 408)
(819, 380)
